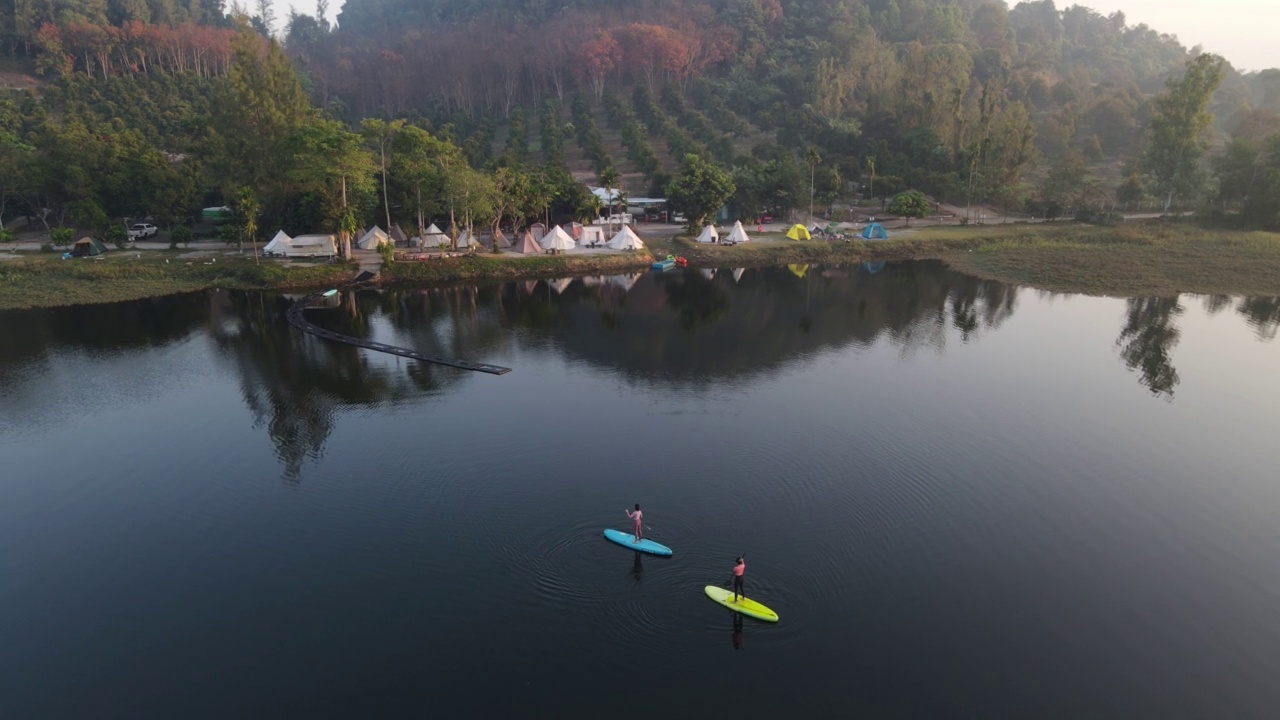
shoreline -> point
(1127, 260)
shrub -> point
(62, 236)
(181, 234)
(116, 235)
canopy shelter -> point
(709, 273)
(87, 247)
(558, 239)
(372, 239)
(530, 285)
(738, 234)
(798, 270)
(574, 229)
(608, 197)
(626, 239)
(709, 234)
(593, 280)
(591, 237)
(539, 231)
(737, 274)
(527, 245)
(312, 246)
(874, 231)
(278, 245)
(873, 266)
(799, 232)
(397, 235)
(560, 285)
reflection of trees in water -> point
(687, 327)
(294, 383)
(108, 328)
(1147, 340)
(699, 301)
(1263, 315)
(1149, 335)
(27, 337)
(672, 328)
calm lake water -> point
(964, 499)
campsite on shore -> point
(1150, 257)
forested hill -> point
(1028, 108)
(926, 87)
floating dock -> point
(297, 320)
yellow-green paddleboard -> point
(746, 606)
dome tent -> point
(874, 231)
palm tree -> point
(250, 208)
(812, 159)
(610, 179)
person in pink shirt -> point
(636, 516)
(738, 570)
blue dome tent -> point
(874, 231)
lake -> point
(963, 498)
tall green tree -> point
(380, 134)
(420, 167)
(510, 197)
(326, 159)
(1178, 127)
(257, 105)
(698, 190)
(14, 156)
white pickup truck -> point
(142, 231)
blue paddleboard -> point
(629, 541)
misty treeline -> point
(1029, 109)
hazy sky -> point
(1245, 32)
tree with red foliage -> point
(594, 61)
(652, 50)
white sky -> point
(1245, 32)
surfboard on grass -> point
(645, 545)
(744, 605)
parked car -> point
(142, 231)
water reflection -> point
(1147, 340)
(676, 329)
(293, 382)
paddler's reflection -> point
(637, 567)
(737, 631)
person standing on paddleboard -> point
(738, 570)
(636, 516)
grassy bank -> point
(49, 281)
(1130, 260)
(1135, 259)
